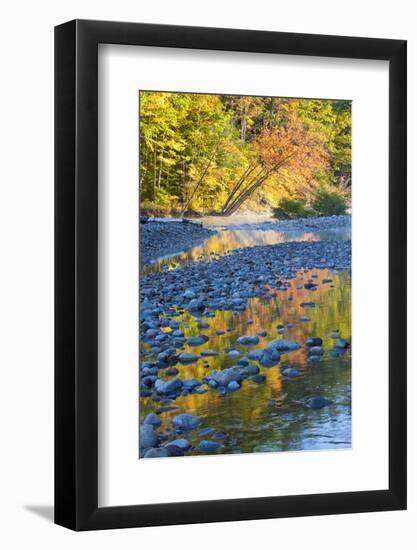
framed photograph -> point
(230, 248)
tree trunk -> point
(154, 175)
(160, 171)
(200, 180)
(250, 187)
(239, 184)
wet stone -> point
(208, 446)
(153, 420)
(248, 340)
(158, 452)
(314, 341)
(186, 421)
(186, 357)
(317, 402)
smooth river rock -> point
(283, 345)
(248, 340)
(186, 358)
(186, 421)
(318, 402)
(156, 452)
(207, 446)
(147, 436)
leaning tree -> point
(290, 145)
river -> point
(271, 416)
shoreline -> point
(162, 240)
(159, 240)
(181, 356)
(315, 223)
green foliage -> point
(290, 208)
(325, 202)
(328, 202)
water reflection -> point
(273, 416)
(230, 239)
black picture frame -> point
(76, 272)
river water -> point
(271, 416)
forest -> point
(203, 154)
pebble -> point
(207, 446)
(248, 340)
(314, 341)
(258, 378)
(153, 420)
(290, 372)
(166, 408)
(197, 340)
(317, 403)
(182, 444)
(225, 283)
(156, 452)
(172, 371)
(186, 421)
(168, 387)
(283, 345)
(186, 358)
(190, 384)
(147, 436)
(205, 431)
(315, 350)
(341, 343)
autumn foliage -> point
(217, 154)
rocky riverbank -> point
(203, 288)
(314, 224)
(165, 239)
